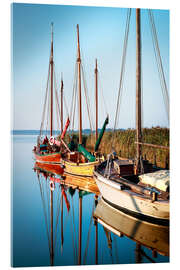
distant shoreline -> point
(37, 132)
(57, 132)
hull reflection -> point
(144, 233)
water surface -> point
(45, 222)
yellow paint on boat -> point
(81, 169)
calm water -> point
(45, 223)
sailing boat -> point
(81, 162)
(49, 150)
(117, 179)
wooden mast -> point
(138, 88)
(79, 84)
(51, 64)
(61, 105)
(96, 98)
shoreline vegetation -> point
(124, 144)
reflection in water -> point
(143, 233)
(50, 175)
(113, 222)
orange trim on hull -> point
(48, 158)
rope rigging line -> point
(142, 106)
(89, 111)
(44, 107)
(159, 62)
(57, 101)
(66, 107)
(122, 71)
(87, 99)
(73, 101)
(48, 113)
(101, 90)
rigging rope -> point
(48, 113)
(104, 102)
(66, 107)
(159, 62)
(87, 99)
(44, 107)
(57, 101)
(73, 101)
(122, 71)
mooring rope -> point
(122, 72)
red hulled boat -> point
(48, 150)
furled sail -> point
(65, 129)
(101, 134)
(88, 155)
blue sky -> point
(101, 36)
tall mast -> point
(96, 98)
(138, 87)
(61, 105)
(79, 83)
(51, 64)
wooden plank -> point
(153, 145)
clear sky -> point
(101, 36)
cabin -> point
(124, 167)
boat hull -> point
(48, 158)
(135, 203)
(80, 169)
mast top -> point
(52, 24)
(79, 56)
(96, 68)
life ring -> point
(52, 186)
(62, 166)
(51, 140)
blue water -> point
(31, 221)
